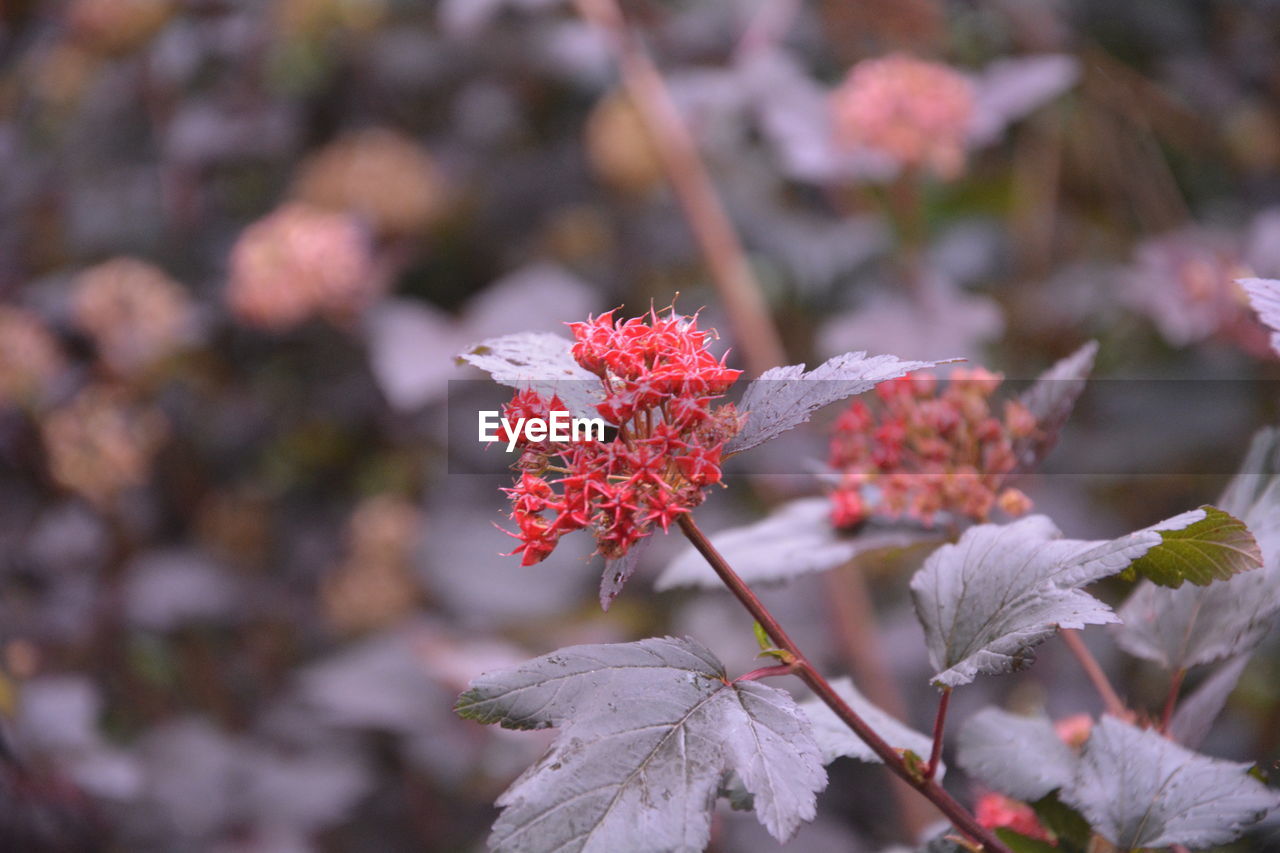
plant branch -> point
(1110, 699)
(939, 724)
(956, 813)
(739, 291)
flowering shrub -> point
(929, 451)
(659, 382)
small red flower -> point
(929, 450)
(995, 811)
(659, 383)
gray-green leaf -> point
(785, 397)
(1138, 789)
(650, 732)
(1022, 757)
(988, 600)
(836, 740)
(795, 539)
(1050, 399)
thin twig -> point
(855, 622)
(1110, 699)
(956, 813)
(939, 725)
(740, 292)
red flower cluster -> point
(996, 811)
(659, 382)
(928, 451)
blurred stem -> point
(738, 288)
(1110, 699)
(855, 622)
(1171, 701)
(956, 813)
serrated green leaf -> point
(1020, 843)
(1070, 827)
(1213, 548)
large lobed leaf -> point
(1022, 757)
(1181, 628)
(650, 733)
(795, 539)
(785, 397)
(1138, 789)
(988, 600)
(541, 361)
(837, 740)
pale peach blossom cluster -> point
(29, 357)
(378, 174)
(102, 443)
(297, 263)
(374, 586)
(915, 111)
(135, 313)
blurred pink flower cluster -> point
(917, 112)
(29, 357)
(301, 262)
(928, 451)
(134, 312)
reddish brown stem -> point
(939, 724)
(1171, 701)
(1110, 699)
(739, 291)
(929, 788)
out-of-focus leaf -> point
(785, 397)
(1050, 399)
(1216, 547)
(1138, 789)
(1022, 757)
(166, 589)
(1063, 821)
(1180, 628)
(795, 539)
(1196, 713)
(1264, 295)
(541, 361)
(618, 571)
(650, 731)
(988, 600)
(411, 348)
(1009, 89)
(836, 740)
(944, 318)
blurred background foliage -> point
(240, 243)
